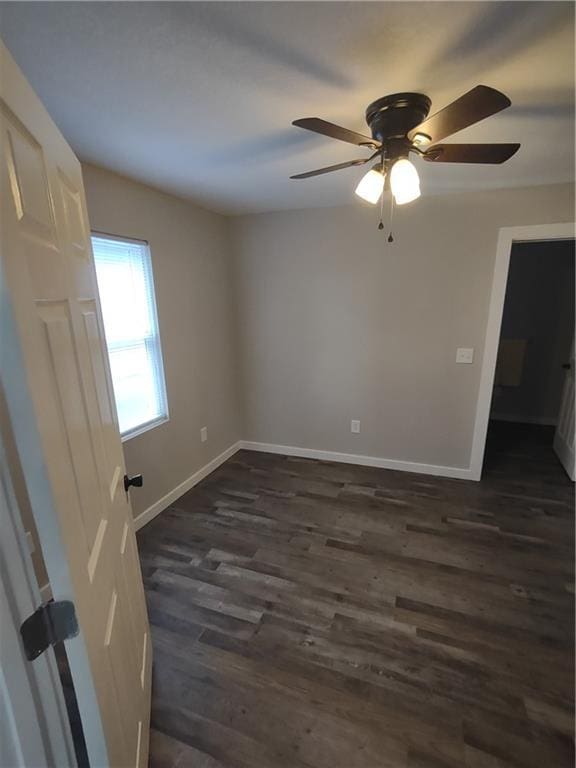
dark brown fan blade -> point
(335, 132)
(474, 106)
(330, 168)
(471, 153)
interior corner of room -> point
(192, 281)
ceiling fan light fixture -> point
(404, 181)
(400, 123)
(371, 186)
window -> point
(126, 289)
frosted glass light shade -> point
(404, 181)
(371, 186)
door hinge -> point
(52, 623)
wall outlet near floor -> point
(355, 426)
(204, 434)
(465, 355)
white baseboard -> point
(543, 421)
(155, 509)
(461, 473)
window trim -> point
(165, 417)
(146, 427)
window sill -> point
(144, 428)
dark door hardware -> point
(136, 480)
(566, 366)
(52, 623)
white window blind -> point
(126, 290)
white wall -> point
(335, 324)
(191, 265)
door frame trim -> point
(507, 236)
(47, 728)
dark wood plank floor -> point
(315, 615)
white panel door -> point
(49, 280)
(564, 436)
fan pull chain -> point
(381, 224)
(390, 238)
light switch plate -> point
(204, 434)
(465, 355)
(355, 426)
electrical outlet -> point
(464, 355)
(204, 434)
(355, 426)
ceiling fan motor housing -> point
(392, 117)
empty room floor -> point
(320, 615)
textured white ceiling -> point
(197, 98)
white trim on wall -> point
(461, 473)
(506, 238)
(149, 514)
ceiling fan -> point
(399, 124)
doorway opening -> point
(507, 238)
(532, 413)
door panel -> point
(71, 418)
(76, 226)
(29, 183)
(50, 277)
